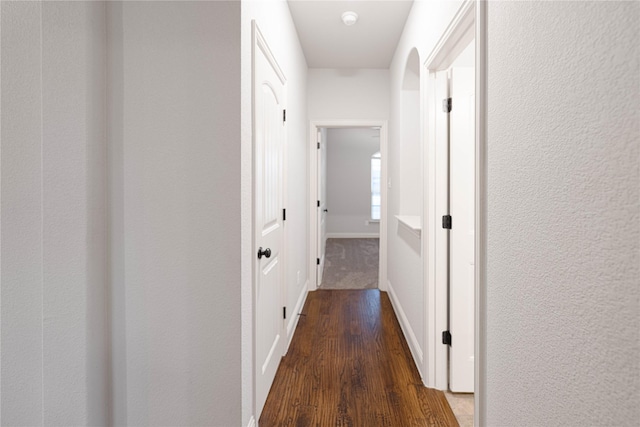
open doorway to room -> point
(452, 210)
(348, 172)
(349, 166)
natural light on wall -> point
(375, 186)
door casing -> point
(314, 128)
(469, 22)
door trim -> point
(471, 12)
(480, 412)
(471, 19)
(454, 39)
(314, 127)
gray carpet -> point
(351, 264)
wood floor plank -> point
(349, 366)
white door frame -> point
(313, 193)
(480, 411)
(471, 12)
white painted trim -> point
(412, 340)
(454, 39)
(353, 235)
(313, 191)
(252, 422)
(291, 327)
(260, 42)
(480, 405)
(435, 320)
(412, 222)
(313, 208)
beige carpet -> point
(351, 264)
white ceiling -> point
(370, 43)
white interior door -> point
(462, 234)
(269, 138)
(322, 206)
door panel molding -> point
(268, 230)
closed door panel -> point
(268, 198)
(462, 237)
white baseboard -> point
(407, 330)
(252, 422)
(353, 235)
(291, 327)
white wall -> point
(409, 183)
(563, 255)
(348, 94)
(175, 205)
(170, 99)
(277, 27)
(52, 214)
(349, 154)
(425, 24)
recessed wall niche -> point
(410, 152)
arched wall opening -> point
(410, 170)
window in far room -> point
(375, 186)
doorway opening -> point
(451, 160)
(349, 184)
(348, 193)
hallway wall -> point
(153, 244)
(563, 250)
(348, 94)
(274, 19)
(175, 206)
(348, 177)
(53, 192)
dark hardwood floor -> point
(349, 365)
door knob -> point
(326, 210)
(266, 252)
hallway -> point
(136, 288)
(349, 365)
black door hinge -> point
(284, 214)
(446, 222)
(446, 337)
(318, 203)
(317, 261)
(284, 116)
(446, 105)
(284, 312)
(318, 145)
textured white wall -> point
(563, 312)
(425, 24)
(277, 27)
(53, 241)
(348, 94)
(349, 154)
(174, 184)
(174, 126)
